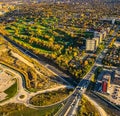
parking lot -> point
(114, 94)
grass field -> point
(12, 90)
(50, 98)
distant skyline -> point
(66, 1)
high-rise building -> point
(98, 35)
(104, 33)
(97, 41)
(91, 44)
(113, 21)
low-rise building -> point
(110, 20)
(117, 79)
(106, 82)
(117, 43)
(108, 30)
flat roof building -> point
(117, 43)
(108, 29)
(97, 41)
(104, 34)
(91, 44)
(98, 35)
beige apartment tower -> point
(90, 45)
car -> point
(72, 105)
(78, 88)
(74, 94)
(86, 82)
(81, 88)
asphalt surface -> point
(79, 90)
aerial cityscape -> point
(59, 57)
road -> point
(70, 107)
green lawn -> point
(12, 90)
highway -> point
(76, 96)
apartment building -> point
(98, 35)
(91, 44)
